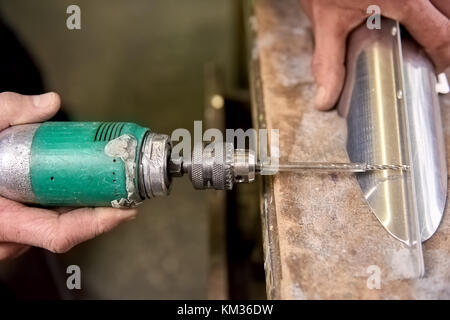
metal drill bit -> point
(330, 167)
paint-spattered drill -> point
(120, 164)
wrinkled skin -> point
(55, 230)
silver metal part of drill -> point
(332, 167)
(220, 166)
(216, 166)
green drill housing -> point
(82, 163)
(69, 165)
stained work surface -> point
(320, 235)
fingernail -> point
(321, 97)
(127, 215)
(43, 100)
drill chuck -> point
(216, 166)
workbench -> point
(320, 237)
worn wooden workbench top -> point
(320, 236)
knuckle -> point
(59, 244)
(404, 8)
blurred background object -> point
(140, 61)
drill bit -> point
(330, 167)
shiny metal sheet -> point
(393, 117)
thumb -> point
(328, 61)
(20, 109)
(56, 232)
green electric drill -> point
(115, 164)
(120, 164)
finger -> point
(443, 6)
(19, 109)
(11, 250)
(330, 34)
(429, 27)
(57, 233)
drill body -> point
(73, 163)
